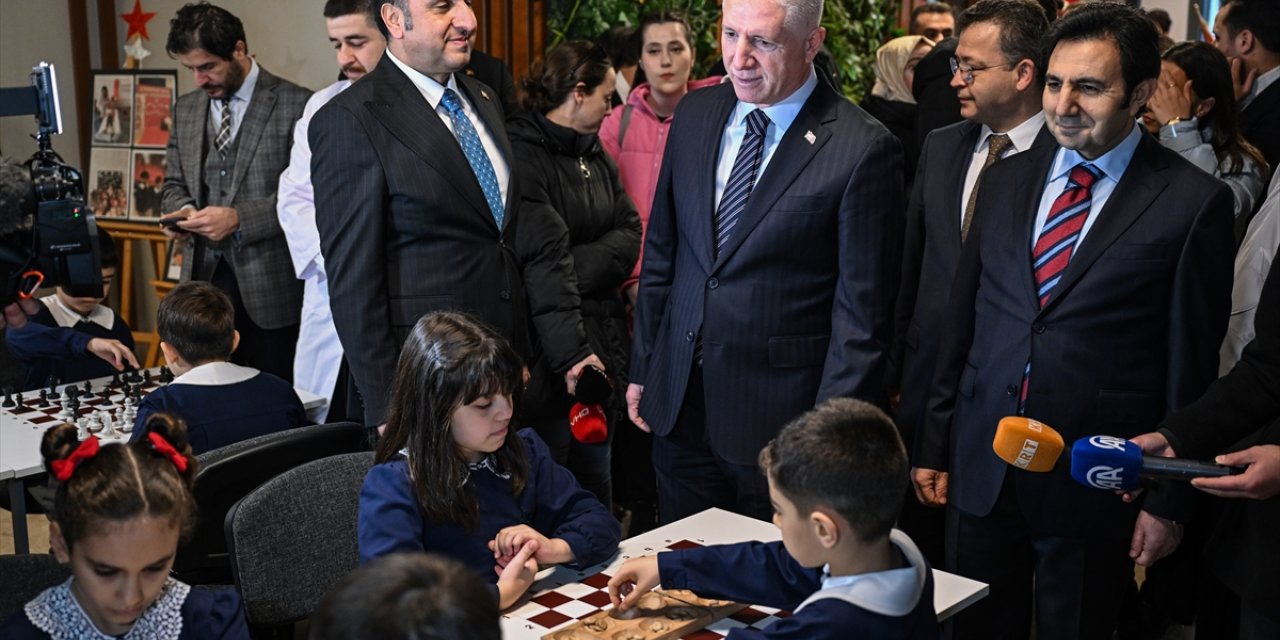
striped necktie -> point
(742, 178)
(1057, 242)
(223, 139)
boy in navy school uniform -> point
(222, 403)
(836, 477)
(89, 339)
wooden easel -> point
(125, 233)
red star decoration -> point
(137, 20)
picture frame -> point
(109, 182)
(173, 263)
(111, 104)
(154, 96)
(132, 120)
(146, 180)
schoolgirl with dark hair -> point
(452, 477)
(119, 514)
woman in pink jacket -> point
(636, 135)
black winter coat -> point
(570, 186)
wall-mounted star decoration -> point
(137, 20)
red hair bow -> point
(165, 449)
(62, 469)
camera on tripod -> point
(60, 246)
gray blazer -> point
(258, 253)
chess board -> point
(555, 610)
(105, 395)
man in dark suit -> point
(997, 78)
(1240, 414)
(770, 266)
(415, 204)
(230, 143)
(1248, 32)
(1092, 294)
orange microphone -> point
(1028, 444)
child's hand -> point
(634, 578)
(511, 539)
(515, 576)
(113, 352)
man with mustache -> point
(1092, 294)
(230, 143)
(359, 45)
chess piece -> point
(82, 430)
(88, 389)
(93, 423)
(125, 426)
(115, 379)
(44, 399)
(166, 375)
(108, 430)
(8, 398)
(146, 376)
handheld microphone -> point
(1115, 464)
(1027, 444)
(587, 420)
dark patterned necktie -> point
(742, 178)
(223, 139)
(997, 143)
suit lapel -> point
(1026, 204)
(400, 107)
(1262, 106)
(1131, 198)
(957, 167)
(705, 179)
(192, 150)
(806, 135)
(255, 120)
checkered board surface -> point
(565, 602)
(103, 399)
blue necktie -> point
(474, 150)
(742, 178)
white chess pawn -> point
(93, 422)
(125, 426)
(82, 426)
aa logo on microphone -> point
(1108, 442)
(1104, 477)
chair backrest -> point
(23, 577)
(231, 472)
(294, 537)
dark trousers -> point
(1075, 585)
(693, 478)
(269, 350)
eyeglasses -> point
(597, 54)
(967, 70)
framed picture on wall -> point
(109, 182)
(177, 253)
(153, 108)
(146, 181)
(112, 109)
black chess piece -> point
(146, 376)
(166, 375)
(115, 379)
(53, 388)
(88, 389)
(44, 399)
(8, 398)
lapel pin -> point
(484, 94)
(808, 135)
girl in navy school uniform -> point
(119, 513)
(452, 477)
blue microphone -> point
(1115, 464)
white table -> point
(20, 450)
(951, 593)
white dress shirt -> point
(781, 115)
(239, 102)
(1022, 137)
(1113, 165)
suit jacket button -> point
(713, 283)
(1011, 389)
(504, 295)
(1038, 327)
(689, 336)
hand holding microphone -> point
(1102, 462)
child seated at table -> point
(408, 595)
(452, 477)
(119, 514)
(221, 402)
(90, 339)
(836, 478)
